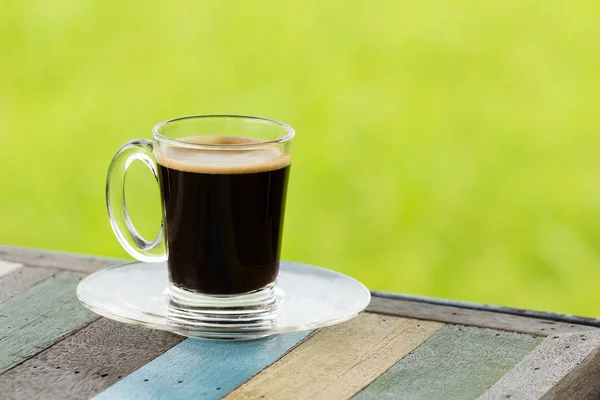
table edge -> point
(76, 262)
(566, 318)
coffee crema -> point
(224, 214)
(229, 161)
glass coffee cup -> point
(223, 182)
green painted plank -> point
(456, 363)
(34, 320)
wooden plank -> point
(456, 363)
(549, 363)
(545, 315)
(21, 279)
(38, 318)
(54, 259)
(462, 316)
(340, 360)
(86, 362)
(6, 267)
(202, 369)
(581, 383)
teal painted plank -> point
(35, 319)
(202, 369)
(21, 280)
(456, 363)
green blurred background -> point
(445, 148)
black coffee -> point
(223, 217)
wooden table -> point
(400, 348)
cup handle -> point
(138, 247)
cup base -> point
(253, 311)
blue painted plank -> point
(202, 369)
(35, 319)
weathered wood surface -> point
(199, 369)
(456, 363)
(56, 354)
(21, 279)
(6, 267)
(338, 361)
(36, 319)
(472, 317)
(86, 362)
(53, 259)
(547, 365)
(582, 382)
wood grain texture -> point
(36, 319)
(581, 383)
(86, 362)
(21, 279)
(546, 365)
(462, 316)
(53, 259)
(41, 321)
(202, 369)
(6, 267)
(338, 361)
(456, 363)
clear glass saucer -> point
(308, 297)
